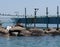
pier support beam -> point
(35, 16)
(57, 17)
(47, 16)
(25, 19)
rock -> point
(19, 24)
(25, 33)
(3, 32)
(59, 30)
(21, 31)
(8, 28)
(17, 28)
(52, 32)
(37, 32)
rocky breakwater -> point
(20, 31)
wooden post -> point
(47, 16)
(35, 16)
(25, 19)
(57, 17)
(35, 19)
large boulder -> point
(3, 32)
(25, 33)
(59, 30)
(52, 31)
(17, 28)
(14, 30)
(37, 32)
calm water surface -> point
(42, 41)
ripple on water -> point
(34, 41)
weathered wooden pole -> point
(57, 17)
(35, 16)
(25, 19)
(47, 16)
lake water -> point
(31, 25)
(10, 21)
(34, 41)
